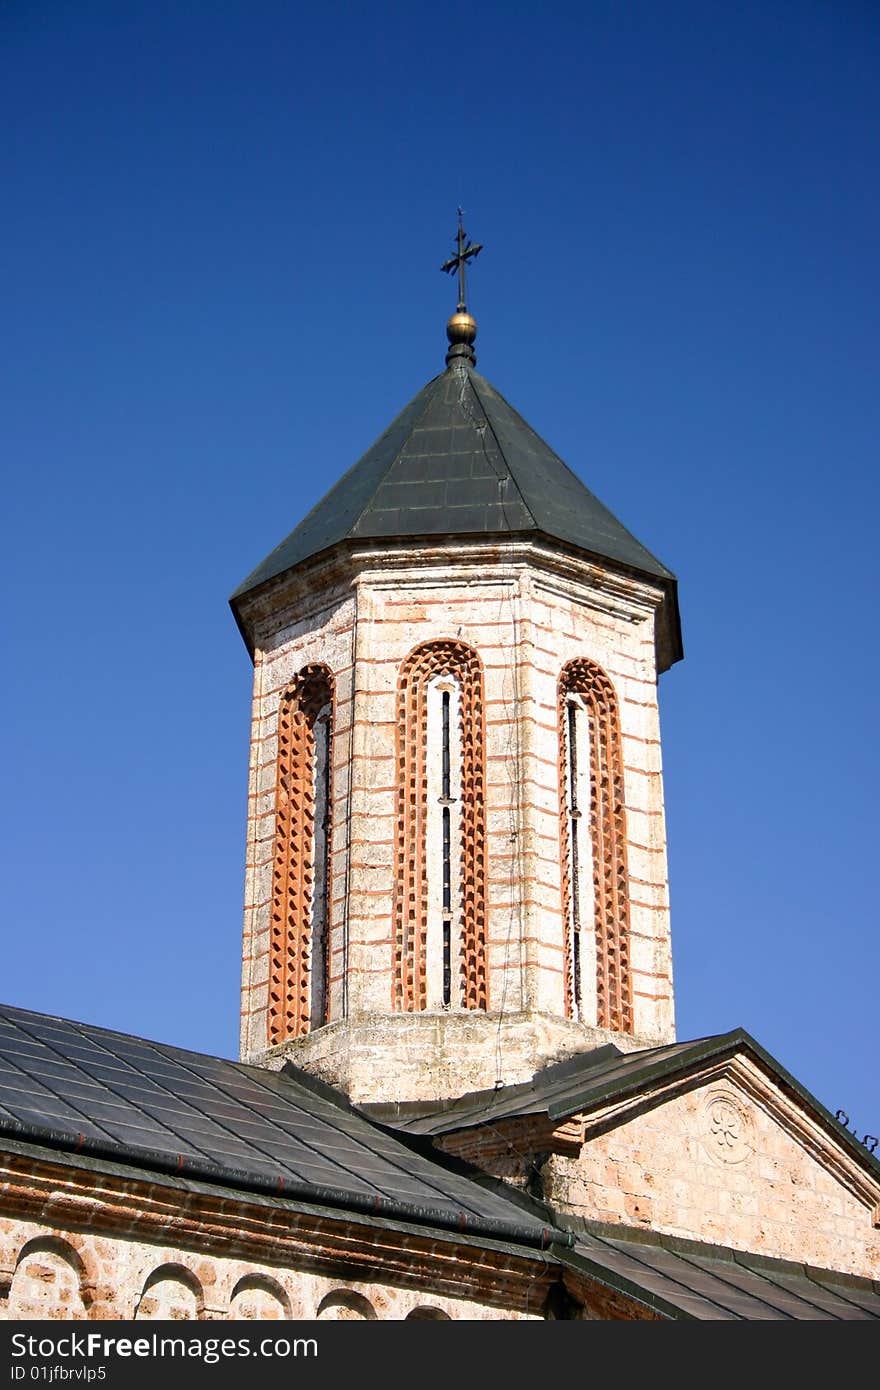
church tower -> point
(456, 859)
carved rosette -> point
(727, 1131)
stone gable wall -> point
(714, 1165)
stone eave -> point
(93, 1197)
(339, 564)
(523, 1135)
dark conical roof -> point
(460, 461)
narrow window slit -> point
(573, 818)
(445, 706)
(447, 963)
(447, 862)
(320, 911)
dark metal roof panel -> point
(857, 1293)
(560, 503)
(788, 1302)
(332, 519)
(557, 1091)
(638, 1275)
(590, 1079)
(78, 1085)
(716, 1282)
(458, 460)
(688, 1280)
(450, 476)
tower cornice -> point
(307, 588)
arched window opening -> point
(440, 896)
(299, 969)
(580, 847)
(593, 849)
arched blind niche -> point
(300, 930)
(595, 885)
(440, 889)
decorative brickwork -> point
(607, 826)
(461, 664)
(292, 962)
(526, 612)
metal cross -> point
(466, 251)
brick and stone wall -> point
(95, 1243)
(525, 612)
(71, 1276)
(721, 1165)
(317, 628)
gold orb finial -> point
(461, 328)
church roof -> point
(590, 1080)
(688, 1279)
(460, 461)
(105, 1101)
(76, 1087)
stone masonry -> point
(527, 611)
(72, 1276)
(715, 1165)
(728, 1158)
(78, 1243)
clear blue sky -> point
(221, 236)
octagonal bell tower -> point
(456, 865)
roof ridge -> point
(512, 408)
(114, 1032)
(428, 391)
(576, 478)
(693, 1245)
(252, 580)
(498, 445)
